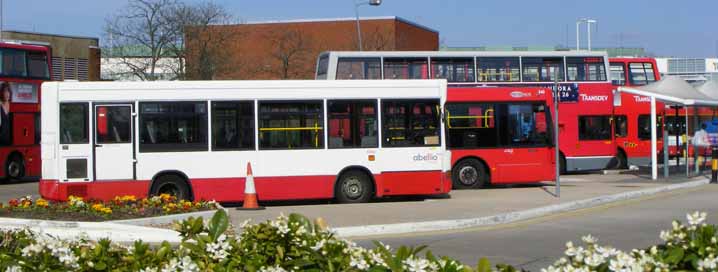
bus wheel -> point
(621, 160)
(469, 173)
(353, 187)
(15, 167)
(172, 185)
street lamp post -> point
(356, 12)
(588, 30)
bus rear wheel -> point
(15, 167)
(171, 185)
(353, 187)
(469, 173)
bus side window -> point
(233, 125)
(410, 123)
(74, 123)
(352, 123)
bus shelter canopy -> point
(674, 90)
(710, 88)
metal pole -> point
(578, 33)
(356, 12)
(688, 167)
(666, 163)
(556, 99)
(588, 29)
(654, 140)
(678, 130)
(1, 19)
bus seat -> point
(369, 141)
(336, 142)
(151, 132)
(116, 133)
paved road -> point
(536, 244)
(15, 189)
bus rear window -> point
(585, 69)
(37, 65)
(594, 127)
(618, 74)
(453, 69)
(12, 63)
(358, 68)
(641, 73)
(406, 68)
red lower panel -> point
(268, 188)
(101, 190)
(411, 183)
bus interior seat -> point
(336, 142)
(151, 132)
(369, 141)
(116, 133)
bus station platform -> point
(474, 208)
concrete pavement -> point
(463, 204)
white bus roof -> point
(466, 53)
(246, 90)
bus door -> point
(526, 143)
(114, 151)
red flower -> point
(13, 202)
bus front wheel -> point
(353, 187)
(171, 185)
(469, 173)
(15, 167)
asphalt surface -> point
(14, 189)
(538, 243)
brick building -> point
(288, 49)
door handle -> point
(98, 145)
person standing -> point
(700, 144)
(5, 95)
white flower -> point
(13, 268)
(696, 218)
(219, 249)
(416, 264)
(272, 269)
(148, 269)
(358, 263)
(319, 245)
(588, 239)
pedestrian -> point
(700, 145)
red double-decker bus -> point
(23, 68)
(632, 116)
(586, 137)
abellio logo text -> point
(426, 157)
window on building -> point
(407, 123)
(453, 69)
(359, 68)
(544, 69)
(585, 69)
(233, 125)
(406, 68)
(73, 123)
(594, 127)
(352, 124)
(173, 126)
(498, 69)
(641, 73)
(644, 127)
(621, 125)
(291, 125)
(618, 74)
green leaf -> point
(218, 224)
(100, 266)
(675, 255)
(484, 265)
(303, 221)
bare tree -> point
(148, 39)
(201, 39)
(377, 40)
(290, 51)
(138, 37)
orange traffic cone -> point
(250, 194)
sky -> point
(663, 27)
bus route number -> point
(566, 92)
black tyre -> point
(172, 185)
(621, 160)
(469, 173)
(354, 187)
(15, 167)
(562, 164)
